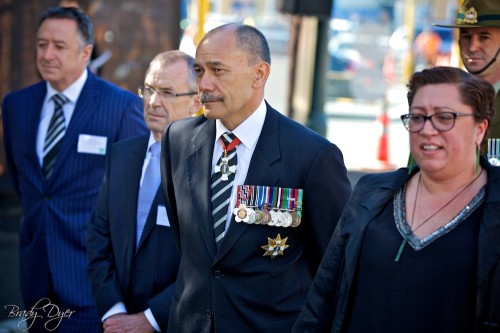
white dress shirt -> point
(72, 93)
(248, 132)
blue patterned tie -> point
(222, 185)
(55, 134)
(149, 187)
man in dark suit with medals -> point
(133, 258)
(239, 271)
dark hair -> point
(170, 57)
(249, 39)
(85, 27)
(475, 92)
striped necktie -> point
(55, 134)
(222, 184)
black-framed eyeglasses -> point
(165, 95)
(441, 121)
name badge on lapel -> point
(92, 144)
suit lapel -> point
(198, 168)
(85, 109)
(151, 220)
(130, 181)
(260, 172)
(35, 104)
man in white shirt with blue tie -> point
(133, 259)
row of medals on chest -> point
(273, 206)
(269, 212)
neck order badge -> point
(222, 184)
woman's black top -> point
(428, 290)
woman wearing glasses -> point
(418, 249)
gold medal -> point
(266, 217)
(259, 202)
(297, 205)
(296, 219)
(259, 216)
(241, 213)
(275, 246)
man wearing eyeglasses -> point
(133, 260)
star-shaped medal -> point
(275, 246)
(224, 168)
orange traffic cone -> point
(383, 144)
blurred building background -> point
(362, 51)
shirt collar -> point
(151, 140)
(249, 130)
(73, 91)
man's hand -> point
(125, 323)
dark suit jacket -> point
(331, 292)
(140, 278)
(495, 125)
(237, 288)
(56, 211)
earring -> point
(411, 163)
(478, 155)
